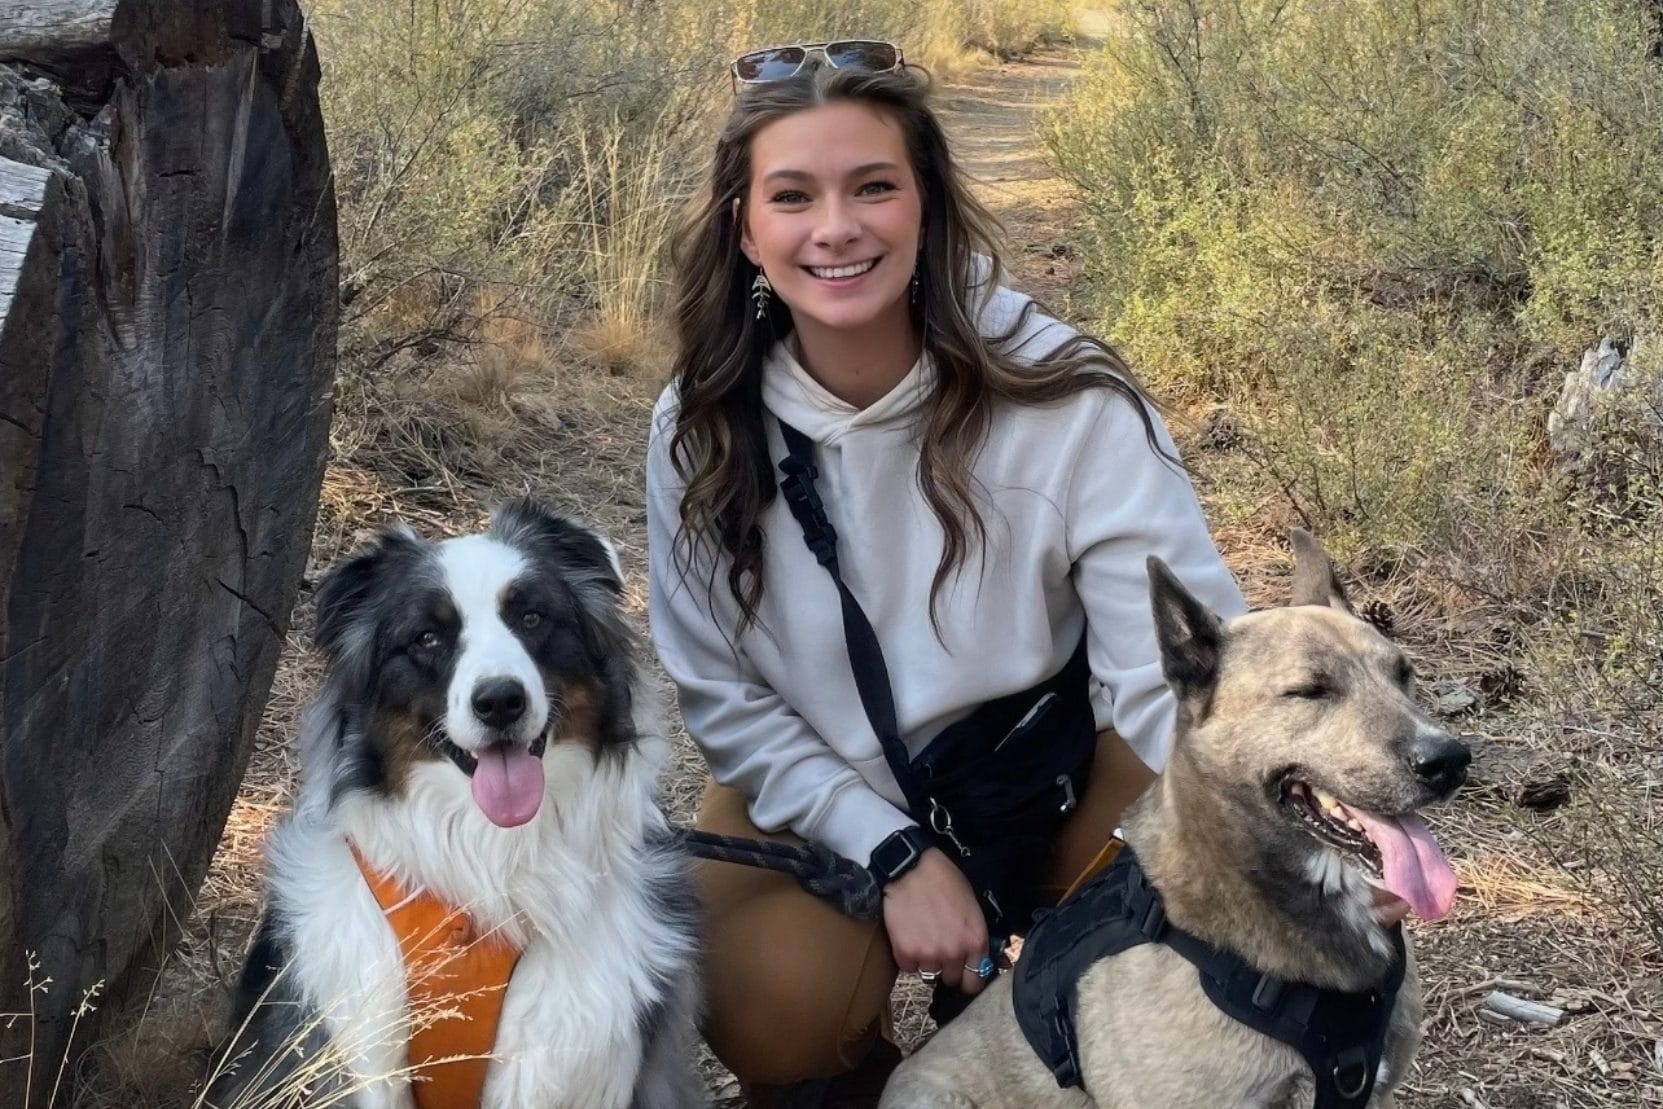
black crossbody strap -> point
(865, 654)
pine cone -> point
(1379, 613)
(1503, 683)
(1545, 794)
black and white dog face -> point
(482, 650)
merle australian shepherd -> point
(481, 736)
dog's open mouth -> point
(1398, 852)
(506, 779)
(1323, 816)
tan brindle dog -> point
(1299, 760)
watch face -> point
(895, 854)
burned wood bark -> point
(167, 354)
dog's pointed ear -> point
(348, 589)
(1314, 579)
(1190, 636)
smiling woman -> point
(922, 647)
(833, 227)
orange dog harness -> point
(455, 979)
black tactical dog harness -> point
(1342, 1036)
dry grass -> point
(631, 193)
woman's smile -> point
(833, 216)
(844, 274)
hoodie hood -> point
(792, 395)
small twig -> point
(1513, 985)
(1551, 1056)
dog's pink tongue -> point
(508, 784)
(1415, 867)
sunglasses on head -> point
(779, 63)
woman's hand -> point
(934, 922)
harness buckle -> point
(1351, 1073)
(1268, 992)
(1153, 924)
(1067, 1070)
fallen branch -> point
(1519, 1009)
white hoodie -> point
(1073, 500)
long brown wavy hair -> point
(720, 445)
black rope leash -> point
(817, 868)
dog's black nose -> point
(1440, 761)
(499, 702)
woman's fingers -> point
(934, 923)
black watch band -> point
(897, 854)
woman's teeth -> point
(830, 272)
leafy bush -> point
(1380, 234)
(1373, 229)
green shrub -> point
(1381, 234)
(1373, 229)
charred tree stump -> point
(167, 355)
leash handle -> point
(847, 885)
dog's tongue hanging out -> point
(1414, 865)
(508, 784)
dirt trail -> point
(992, 118)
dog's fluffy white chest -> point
(574, 890)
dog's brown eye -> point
(531, 621)
(428, 640)
(1404, 673)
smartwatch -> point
(897, 854)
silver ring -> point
(929, 977)
(983, 970)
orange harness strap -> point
(455, 979)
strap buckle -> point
(1066, 1069)
(1153, 923)
(805, 504)
(1268, 992)
(800, 468)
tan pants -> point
(796, 990)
